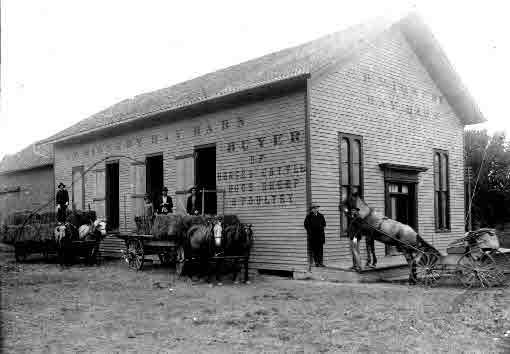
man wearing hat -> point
(194, 203)
(165, 204)
(314, 226)
(62, 201)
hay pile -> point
(25, 227)
(35, 232)
(79, 217)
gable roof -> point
(309, 58)
(30, 157)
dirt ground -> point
(111, 309)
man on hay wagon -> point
(62, 202)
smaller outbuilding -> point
(27, 180)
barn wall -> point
(36, 188)
(260, 163)
(388, 98)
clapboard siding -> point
(357, 99)
(280, 241)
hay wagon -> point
(33, 235)
(146, 242)
(138, 246)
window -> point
(441, 191)
(351, 169)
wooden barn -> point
(376, 108)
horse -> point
(95, 229)
(66, 232)
(407, 241)
(237, 242)
(199, 243)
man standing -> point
(194, 203)
(62, 201)
(314, 226)
(165, 204)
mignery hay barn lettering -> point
(125, 144)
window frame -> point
(441, 225)
(351, 138)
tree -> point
(489, 158)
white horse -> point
(90, 229)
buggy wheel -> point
(478, 269)
(135, 254)
(180, 261)
(425, 269)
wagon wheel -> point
(426, 272)
(135, 254)
(477, 268)
(180, 261)
(165, 258)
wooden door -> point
(112, 195)
(401, 206)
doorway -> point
(401, 206)
(112, 196)
(205, 176)
(154, 177)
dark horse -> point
(196, 235)
(237, 240)
(366, 221)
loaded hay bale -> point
(80, 217)
(230, 219)
(160, 226)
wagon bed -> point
(140, 245)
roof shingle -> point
(306, 58)
(30, 157)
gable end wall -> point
(388, 98)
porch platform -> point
(389, 268)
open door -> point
(154, 177)
(112, 195)
(205, 176)
(401, 206)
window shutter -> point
(185, 179)
(77, 188)
(99, 193)
(138, 178)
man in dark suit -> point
(314, 226)
(194, 203)
(165, 204)
(62, 201)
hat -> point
(164, 189)
(61, 184)
(314, 205)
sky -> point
(62, 60)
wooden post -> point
(470, 222)
(125, 213)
